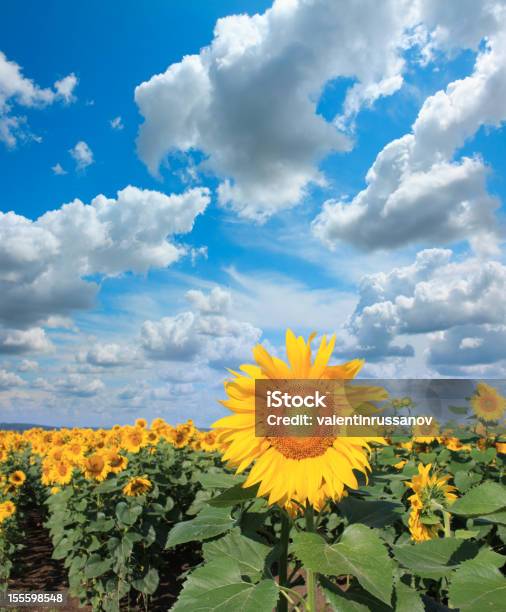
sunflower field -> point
(262, 523)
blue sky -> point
(301, 165)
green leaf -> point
(127, 515)
(372, 513)
(233, 496)
(478, 585)
(207, 524)
(361, 552)
(466, 534)
(148, 583)
(354, 599)
(435, 558)
(63, 549)
(107, 486)
(96, 566)
(247, 553)
(407, 599)
(465, 480)
(218, 586)
(101, 525)
(219, 480)
(494, 517)
(485, 498)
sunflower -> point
(117, 463)
(501, 447)
(431, 493)
(7, 509)
(17, 478)
(96, 467)
(291, 471)
(142, 423)
(133, 439)
(454, 444)
(138, 485)
(488, 404)
(180, 436)
(61, 473)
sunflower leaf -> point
(218, 585)
(209, 523)
(233, 496)
(478, 584)
(485, 498)
(361, 553)
(435, 558)
(247, 553)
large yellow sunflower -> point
(291, 471)
(488, 404)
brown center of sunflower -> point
(301, 448)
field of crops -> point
(344, 524)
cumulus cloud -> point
(31, 340)
(82, 155)
(208, 333)
(248, 101)
(18, 91)
(107, 355)
(79, 386)
(45, 264)
(434, 294)
(8, 380)
(416, 191)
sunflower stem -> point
(446, 518)
(310, 575)
(283, 559)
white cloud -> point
(82, 155)
(28, 365)
(79, 385)
(43, 262)
(416, 192)
(16, 90)
(9, 380)
(248, 101)
(31, 340)
(107, 355)
(208, 333)
(116, 123)
(58, 169)
(434, 294)
(65, 88)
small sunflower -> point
(142, 423)
(488, 404)
(138, 485)
(117, 463)
(7, 509)
(431, 494)
(291, 471)
(17, 478)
